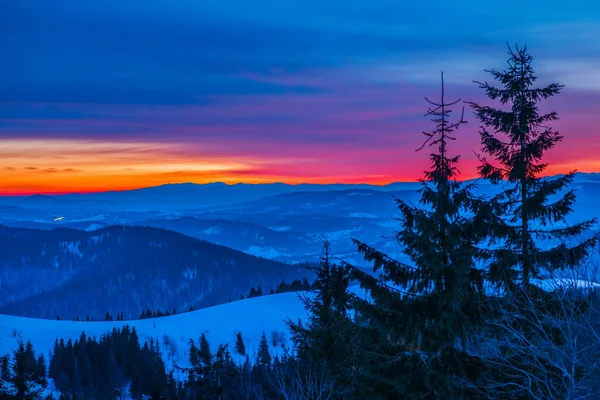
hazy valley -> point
(182, 246)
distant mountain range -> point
(72, 273)
(278, 221)
(287, 227)
(182, 196)
(186, 197)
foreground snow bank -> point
(220, 324)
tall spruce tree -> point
(420, 313)
(240, 347)
(326, 340)
(204, 353)
(263, 355)
(27, 379)
(531, 208)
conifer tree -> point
(240, 348)
(528, 229)
(5, 368)
(420, 311)
(40, 367)
(25, 375)
(193, 356)
(263, 356)
(531, 208)
(222, 370)
(5, 376)
(204, 354)
(326, 342)
(327, 304)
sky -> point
(113, 95)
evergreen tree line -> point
(88, 368)
(117, 366)
(147, 313)
(107, 317)
(267, 375)
(157, 313)
(297, 285)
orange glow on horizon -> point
(94, 184)
(81, 166)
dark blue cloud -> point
(188, 51)
(25, 111)
(71, 58)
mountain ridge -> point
(124, 269)
(221, 184)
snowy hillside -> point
(220, 324)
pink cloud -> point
(350, 130)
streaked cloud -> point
(577, 74)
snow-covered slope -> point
(220, 324)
